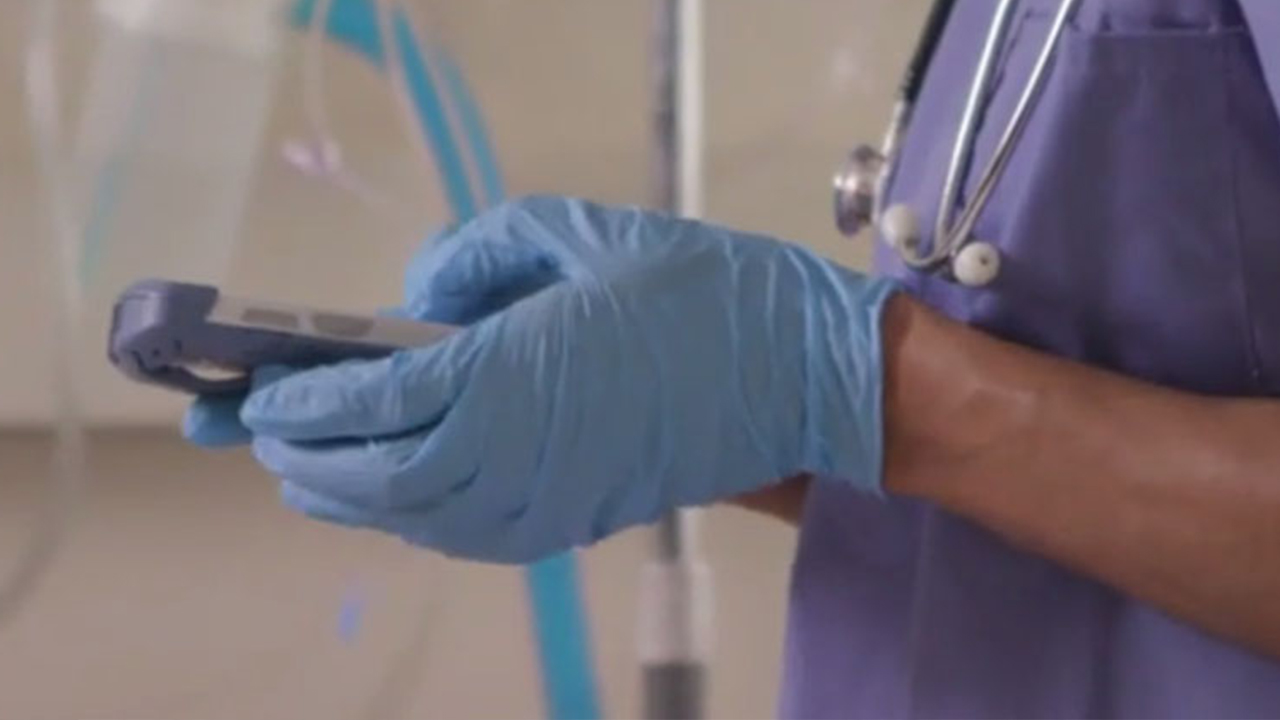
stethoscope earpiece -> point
(976, 264)
(900, 228)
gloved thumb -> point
(459, 277)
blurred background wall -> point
(186, 592)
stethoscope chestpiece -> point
(900, 228)
(855, 189)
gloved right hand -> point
(617, 364)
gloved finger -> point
(214, 422)
(448, 528)
(388, 396)
(468, 276)
(355, 471)
(318, 506)
(429, 488)
(378, 474)
(322, 507)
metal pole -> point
(666, 97)
(675, 611)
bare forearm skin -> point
(1170, 497)
(784, 501)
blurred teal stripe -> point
(559, 616)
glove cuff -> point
(845, 393)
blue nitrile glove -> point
(621, 363)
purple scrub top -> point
(1139, 222)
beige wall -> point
(564, 86)
(186, 592)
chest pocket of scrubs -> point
(1135, 216)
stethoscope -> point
(863, 181)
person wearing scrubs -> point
(1053, 495)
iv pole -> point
(675, 589)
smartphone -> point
(194, 339)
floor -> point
(187, 592)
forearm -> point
(784, 501)
(1170, 497)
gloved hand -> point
(616, 364)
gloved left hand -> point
(616, 364)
